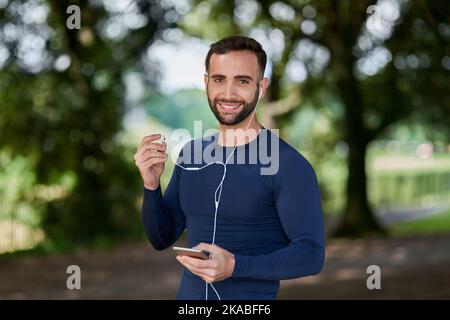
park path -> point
(389, 216)
(410, 267)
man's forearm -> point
(158, 224)
(297, 260)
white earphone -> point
(218, 192)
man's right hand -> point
(150, 158)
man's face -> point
(232, 85)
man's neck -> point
(232, 135)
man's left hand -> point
(219, 267)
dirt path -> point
(410, 268)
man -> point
(265, 227)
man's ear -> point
(205, 79)
(263, 85)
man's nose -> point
(230, 91)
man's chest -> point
(247, 197)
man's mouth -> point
(229, 106)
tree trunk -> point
(358, 219)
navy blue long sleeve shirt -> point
(272, 223)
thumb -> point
(206, 247)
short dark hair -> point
(238, 43)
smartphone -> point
(195, 253)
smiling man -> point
(258, 228)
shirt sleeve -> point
(297, 199)
(162, 216)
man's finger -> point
(150, 162)
(149, 138)
(207, 247)
(147, 156)
(201, 272)
(152, 154)
(198, 263)
(153, 146)
(189, 266)
(207, 271)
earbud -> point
(260, 93)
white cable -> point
(218, 192)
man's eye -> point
(218, 80)
(243, 81)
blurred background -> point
(360, 88)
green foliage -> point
(181, 109)
(58, 128)
(65, 123)
(439, 223)
(19, 203)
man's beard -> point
(247, 108)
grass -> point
(439, 223)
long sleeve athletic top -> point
(271, 222)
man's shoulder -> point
(291, 158)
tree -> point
(384, 61)
(375, 100)
(62, 105)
